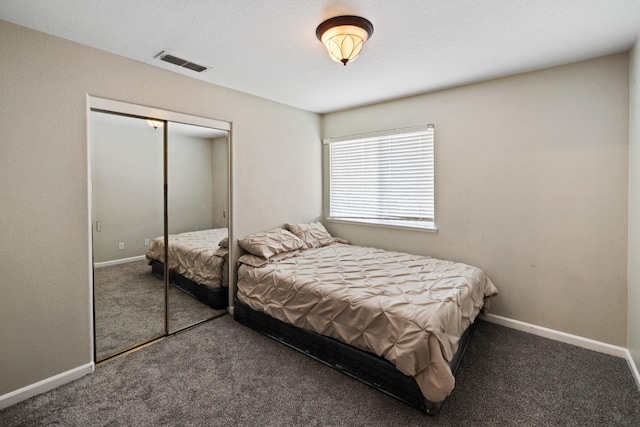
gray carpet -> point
(129, 307)
(222, 373)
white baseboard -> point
(118, 261)
(45, 385)
(634, 368)
(579, 341)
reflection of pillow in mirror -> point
(313, 234)
(270, 243)
(224, 242)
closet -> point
(155, 177)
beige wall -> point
(531, 185)
(44, 255)
(633, 335)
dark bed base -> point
(216, 298)
(364, 366)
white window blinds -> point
(384, 178)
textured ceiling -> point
(268, 47)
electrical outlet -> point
(146, 242)
(120, 246)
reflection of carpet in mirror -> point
(129, 307)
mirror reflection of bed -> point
(128, 222)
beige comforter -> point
(195, 255)
(406, 308)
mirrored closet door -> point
(159, 192)
(197, 204)
(127, 202)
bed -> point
(197, 264)
(396, 321)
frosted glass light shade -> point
(344, 36)
(344, 43)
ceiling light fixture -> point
(155, 123)
(344, 36)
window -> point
(384, 178)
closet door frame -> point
(123, 108)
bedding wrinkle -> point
(409, 309)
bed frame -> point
(216, 298)
(364, 366)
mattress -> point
(195, 255)
(408, 309)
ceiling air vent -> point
(167, 57)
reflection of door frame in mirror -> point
(134, 110)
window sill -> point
(426, 228)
